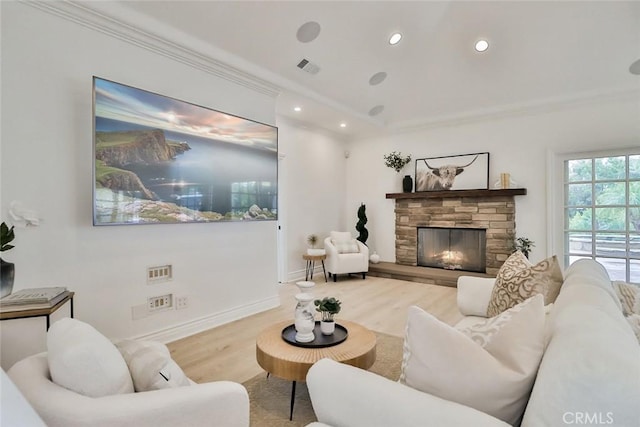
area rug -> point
(270, 397)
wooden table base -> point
(292, 363)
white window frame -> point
(556, 189)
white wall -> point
(312, 176)
(517, 144)
(226, 269)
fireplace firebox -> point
(452, 248)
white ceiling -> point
(541, 53)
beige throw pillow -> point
(490, 367)
(518, 280)
(628, 295)
(151, 365)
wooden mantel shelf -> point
(458, 193)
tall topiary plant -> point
(362, 220)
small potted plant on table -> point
(328, 307)
(312, 240)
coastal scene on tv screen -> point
(161, 160)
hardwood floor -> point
(228, 352)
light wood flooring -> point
(228, 351)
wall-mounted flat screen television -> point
(160, 160)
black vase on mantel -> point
(407, 184)
(7, 273)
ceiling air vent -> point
(308, 66)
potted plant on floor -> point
(328, 307)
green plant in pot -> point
(328, 307)
(312, 240)
(523, 245)
(7, 269)
(396, 161)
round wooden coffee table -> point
(292, 363)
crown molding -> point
(514, 110)
(106, 24)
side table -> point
(311, 263)
(38, 312)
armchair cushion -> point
(83, 360)
(151, 366)
(490, 367)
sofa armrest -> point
(346, 396)
(474, 294)
(199, 404)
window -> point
(602, 213)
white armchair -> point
(345, 255)
(195, 405)
(84, 380)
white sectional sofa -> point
(589, 373)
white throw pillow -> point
(347, 246)
(85, 361)
(340, 235)
(344, 242)
(490, 366)
(151, 365)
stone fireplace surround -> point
(493, 210)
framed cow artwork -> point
(459, 172)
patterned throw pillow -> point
(518, 280)
(151, 366)
(628, 295)
(346, 246)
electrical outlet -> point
(182, 302)
(163, 302)
(162, 273)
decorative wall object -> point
(460, 172)
(161, 160)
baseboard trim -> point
(298, 275)
(195, 326)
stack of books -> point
(33, 299)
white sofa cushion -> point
(490, 368)
(151, 366)
(518, 280)
(83, 360)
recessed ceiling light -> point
(376, 110)
(297, 109)
(377, 78)
(635, 67)
(395, 38)
(308, 32)
(343, 125)
(482, 45)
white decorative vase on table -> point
(304, 320)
